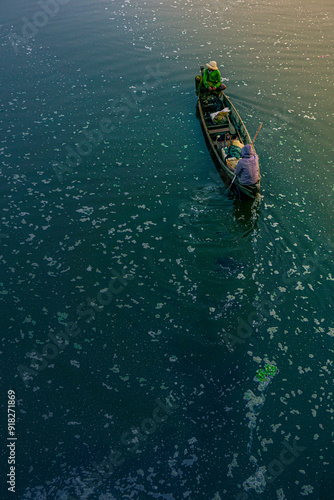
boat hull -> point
(210, 133)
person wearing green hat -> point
(211, 79)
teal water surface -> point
(139, 301)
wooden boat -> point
(234, 129)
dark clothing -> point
(247, 170)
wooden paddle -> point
(231, 126)
(255, 136)
(228, 189)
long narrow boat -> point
(233, 130)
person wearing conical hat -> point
(212, 78)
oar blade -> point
(226, 192)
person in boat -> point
(247, 170)
(210, 81)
